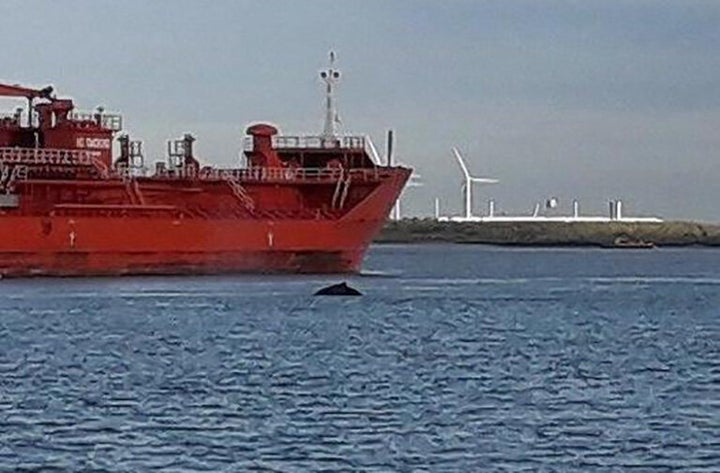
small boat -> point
(627, 242)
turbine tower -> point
(468, 182)
(331, 77)
(414, 181)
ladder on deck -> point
(239, 191)
(101, 168)
(133, 191)
(341, 190)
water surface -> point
(458, 358)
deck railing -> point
(312, 142)
(278, 175)
(109, 121)
(55, 157)
(301, 175)
(63, 157)
(40, 156)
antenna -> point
(331, 77)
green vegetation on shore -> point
(550, 233)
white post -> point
(536, 212)
(576, 209)
(618, 210)
(437, 208)
(396, 210)
(491, 208)
(468, 198)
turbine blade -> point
(484, 180)
(461, 162)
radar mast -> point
(331, 77)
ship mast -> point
(330, 76)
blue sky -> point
(575, 99)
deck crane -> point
(30, 94)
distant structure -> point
(615, 207)
(467, 185)
(415, 181)
(614, 215)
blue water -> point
(457, 359)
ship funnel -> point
(262, 153)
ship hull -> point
(119, 246)
(104, 245)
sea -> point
(456, 359)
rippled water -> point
(458, 358)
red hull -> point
(77, 245)
(102, 246)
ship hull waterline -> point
(125, 246)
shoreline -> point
(616, 234)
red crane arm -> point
(17, 91)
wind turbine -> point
(414, 181)
(469, 181)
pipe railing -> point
(40, 156)
(312, 142)
(308, 174)
(63, 157)
(110, 121)
(264, 174)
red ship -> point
(68, 207)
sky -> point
(575, 99)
